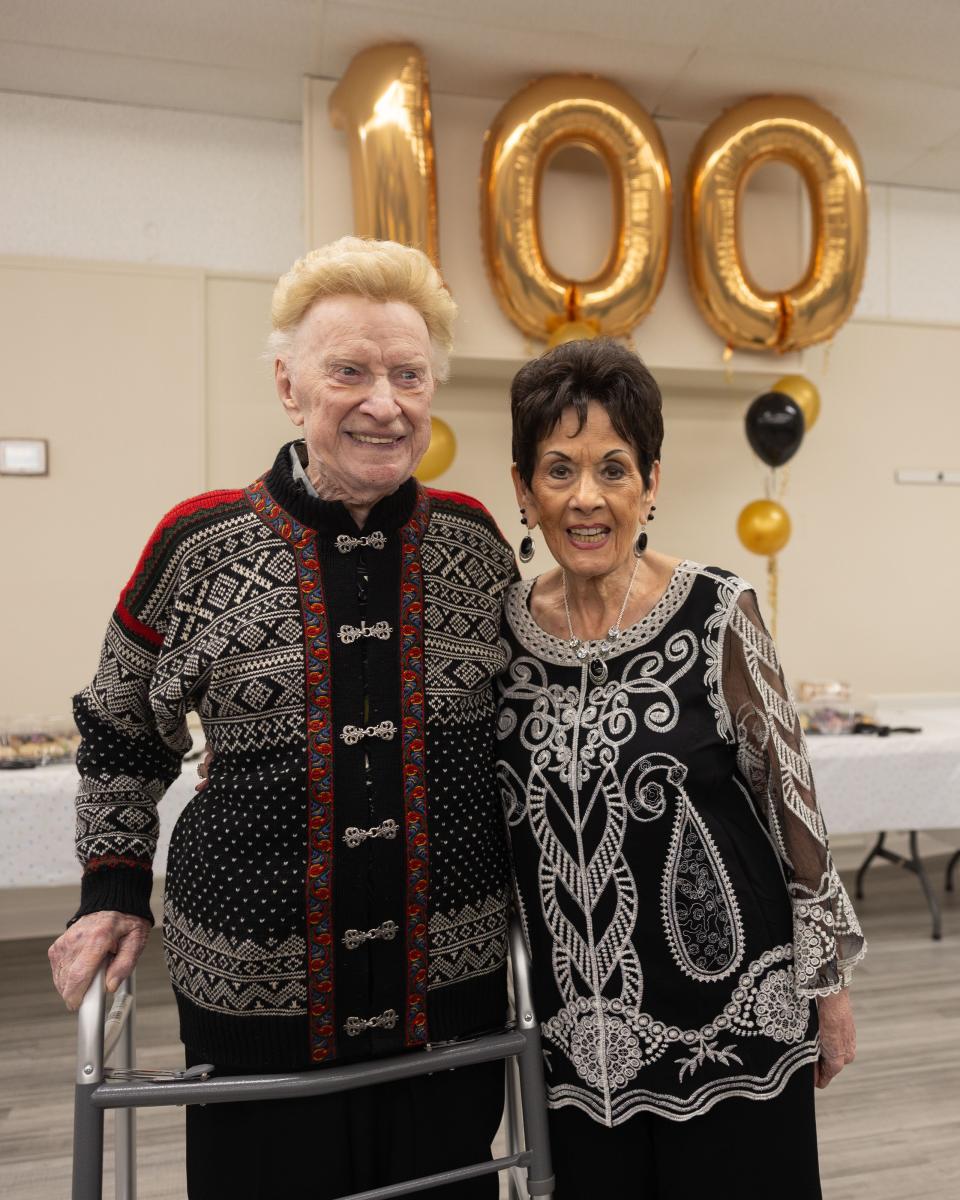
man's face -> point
(360, 383)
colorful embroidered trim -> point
(118, 860)
(412, 723)
(319, 882)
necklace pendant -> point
(597, 670)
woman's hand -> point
(76, 955)
(203, 768)
(838, 1036)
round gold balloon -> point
(563, 110)
(797, 131)
(440, 453)
(804, 394)
(383, 103)
(764, 527)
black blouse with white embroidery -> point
(676, 889)
(340, 888)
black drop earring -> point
(527, 547)
(640, 544)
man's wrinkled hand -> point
(76, 955)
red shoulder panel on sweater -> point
(185, 509)
(457, 498)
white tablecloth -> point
(37, 824)
(905, 781)
(865, 783)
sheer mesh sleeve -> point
(772, 758)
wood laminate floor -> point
(889, 1126)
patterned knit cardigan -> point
(340, 888)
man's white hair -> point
(381, 271)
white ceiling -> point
(889, 69)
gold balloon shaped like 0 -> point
(804, 394)
(764, 527)
(564, 110)
(573, 331)
(440, 453)
(794, 130)
(383, 104)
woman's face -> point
(587, 494)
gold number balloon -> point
(383, 102)
(562, 110)
(764, 527)
(440, 453)
(799, 132)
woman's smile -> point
(588, 537)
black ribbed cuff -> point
(116, 889)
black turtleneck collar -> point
(330, 517)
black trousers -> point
(323, 1147)
(739, 1150)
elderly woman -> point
(339, 890)
(687, 927)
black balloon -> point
(775, 428)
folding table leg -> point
(877, 849)
(915, 864)
(951, 867)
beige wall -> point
(245, 422)
(869, 581)
(149, 385)
(107, 363)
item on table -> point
(830, 707)
(18, 750)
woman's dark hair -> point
(570, 376)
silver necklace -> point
(595, 651)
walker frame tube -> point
(93, 1095)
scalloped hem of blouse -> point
(846, 978)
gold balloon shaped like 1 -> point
(564, 110)
(764, 527)
(804, 394)
(383, 104)
(440, 453)
(796, 131)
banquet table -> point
(904, 782)
(865, 784)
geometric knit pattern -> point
(216, 619)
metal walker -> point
(123, 1088)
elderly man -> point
(339, 890)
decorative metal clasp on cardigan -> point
(354, 836)
(352, 734)
(354, 938)
(346, 543)
(349, 633)
(357, 1025)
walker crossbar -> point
(141, 1093)
(528, 1148)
